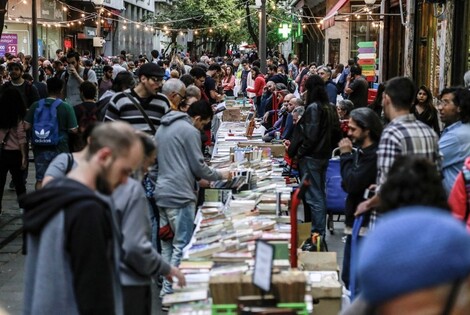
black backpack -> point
(89, 116)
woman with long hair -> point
(258, 89)
(228, 82)
(315, 136)
(13, 141)
(424, 110)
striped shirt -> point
(122, 108)
(405, 135)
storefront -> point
(428, 46)
(461, 44)
(17, 30)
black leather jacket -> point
(316, 134)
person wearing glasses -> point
(454, 111)
(122, 106)
(175, 91)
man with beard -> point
(70, 267)
(124, 105)
(404, 135)
(74, 76)
(358, 171)
(28, 91)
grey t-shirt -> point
(73, 86)
(59, 165)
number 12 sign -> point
(9, 44)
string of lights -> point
(152, 25)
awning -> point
(329, 19)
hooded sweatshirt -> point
(180, 161)
(69, 267)
(139, 259)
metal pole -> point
(262, 37)
(34, 18)
(98, 31)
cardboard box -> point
(303, 232)
(318, 261)
(232, 114)
(325, 284)
(277, 150)
(288, 287)
(327, 306)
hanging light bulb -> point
(137, 26)
(124, 27)
(210, 30)
(146, 28)
(65, 9)
(83, 14)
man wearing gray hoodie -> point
(181, 164)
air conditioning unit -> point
(98, 41)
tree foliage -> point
(222, 22)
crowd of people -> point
(113, 209)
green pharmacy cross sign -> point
(284, 30)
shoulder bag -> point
(142, 110)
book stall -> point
(241, 259)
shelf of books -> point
(254, 205)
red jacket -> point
(458, 197)
(259, 86)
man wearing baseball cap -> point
(417, 261)
(122, 106)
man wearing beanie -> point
(416, 261)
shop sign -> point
(367, 59)
(9, 44)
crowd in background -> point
(405, 145)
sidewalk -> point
(11, 242)
(11, 280)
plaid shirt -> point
(99, 71)
(405, 135)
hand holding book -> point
(176, 273)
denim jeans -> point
(315, 195)
(181, 221)
(155, 221)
